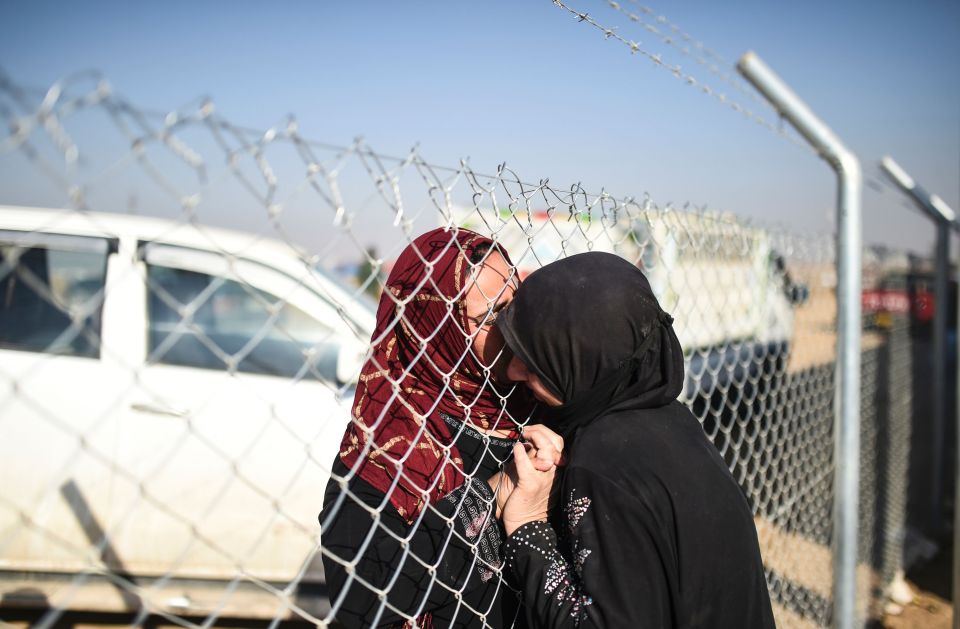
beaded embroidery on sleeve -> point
(562, 579)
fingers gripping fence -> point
(173, 394)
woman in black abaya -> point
(651, 530)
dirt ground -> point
(932, 607)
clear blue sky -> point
(525, 83)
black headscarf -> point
(591, 328)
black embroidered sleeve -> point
(552, 583)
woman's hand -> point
(544, 449)
(530, 499)
(548, 445)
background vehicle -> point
(728, 288)
(171, 398)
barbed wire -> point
(678, 72)
(876, 181)
(699, 45)
(715, 65)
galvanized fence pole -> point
(847, 397)
(956, 498)
(943, 217)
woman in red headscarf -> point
(408, 529)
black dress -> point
(450, 565)
(651, 531)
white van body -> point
(183, 440)
(722, 280)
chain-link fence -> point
(173, 393)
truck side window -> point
(233, 323)
(51, 297)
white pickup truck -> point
(728, 289)
(171, 398)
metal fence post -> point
(847, 398)
(943, 217)
(956, 499)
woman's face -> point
(517, 371)
(491, 289)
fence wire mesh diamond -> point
(182, 339)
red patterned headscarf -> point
(420, 366)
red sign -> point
(898, 302)
(893, 301)
(923, 306)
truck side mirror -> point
(350, 359)
(798, 294)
